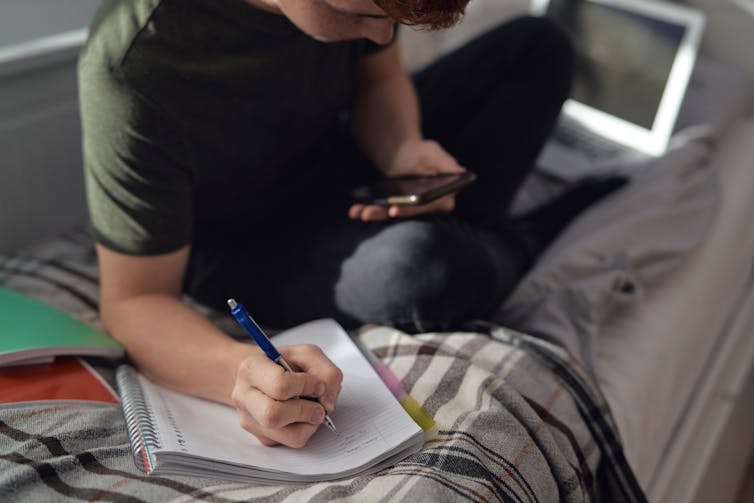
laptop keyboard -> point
(571, 134)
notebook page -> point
(369, 419)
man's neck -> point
(267, 5)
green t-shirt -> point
(195, 110)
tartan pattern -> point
(518, 419)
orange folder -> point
(66, 378)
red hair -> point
(432, 14)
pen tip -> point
(331, 425)
(232, 303)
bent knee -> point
(402, 275)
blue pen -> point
(244, 318)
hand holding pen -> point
(272, 397)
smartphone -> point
(412, 190)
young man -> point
(222, 139)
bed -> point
(673, 359)
(642, 389)
(692, 350)
(518, 419)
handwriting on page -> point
(365, 429)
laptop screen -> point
(623, 58)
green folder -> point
(33, 332)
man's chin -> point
(332, 40)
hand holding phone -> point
(422, 179)
(408, 196)
(412, 190)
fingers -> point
(424, 157)
(271, 379)
(271, 414)
(311, 360)
(354, 212)
(293, 435)
(267, 397)
(368, 213)
(278, 384)
(372, 213)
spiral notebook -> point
(176, 434)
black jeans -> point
(491, 104)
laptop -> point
(633, 63)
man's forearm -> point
(176, 346)
(385, 115)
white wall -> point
(729, 35)
(41, 179)
(24, 20)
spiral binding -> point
(140, 423)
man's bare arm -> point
(386, 121)
(386, 108)
(141, 305)
(173, 344)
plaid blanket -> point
(518, 419)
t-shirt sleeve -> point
(138, 178)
